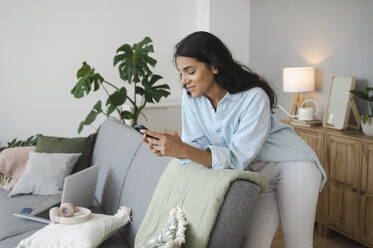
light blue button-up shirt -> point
(240, 131)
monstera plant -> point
(366, 95)
(134, 65)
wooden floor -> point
(338, 241)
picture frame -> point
(340, 103)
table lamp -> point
(298, 80)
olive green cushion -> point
(83, 145)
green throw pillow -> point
(83, 145)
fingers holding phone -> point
(154, 146)
(154, 141)
(141, 129)
(168, 143)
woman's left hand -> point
(169, 143)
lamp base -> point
(297, 100)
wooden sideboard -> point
(345, 204)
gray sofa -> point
(128, 175)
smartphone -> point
(141, 127)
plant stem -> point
(137, 113)
(134, 94)
(107, 92)
(110, 117)
(141, 113)
(112, 85)
(133, 103)
(93, 127)
(371, 108)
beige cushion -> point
(12, 165)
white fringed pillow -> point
(172, 235)
(83, 235)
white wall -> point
(334, 36)
(203, 15)
(44, 42)
(228, 20)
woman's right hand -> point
(145, 140)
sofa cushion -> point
(115, 241)
(126, 175)
(233, 216)
(114, 150)
(141, 180)
(83, 145)
(11, 225)
(13, 241)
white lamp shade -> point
(298, 79)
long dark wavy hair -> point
(232, 75)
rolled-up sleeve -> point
(192, 131)
(247, 141)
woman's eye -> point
(191, 73)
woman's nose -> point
(184, 80)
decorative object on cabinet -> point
(298, 80)
(305, 114)
(368, 127)
(313, 123)
(340, 103)
(367, 119)
(345, 204)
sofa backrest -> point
(128, 174)
(113, 152)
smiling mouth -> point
(189, 88)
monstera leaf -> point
(91, 117)
(87, 77)
(133, 60)
(152, 93)
(117, 98)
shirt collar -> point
(233, 97)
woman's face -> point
(196, 76)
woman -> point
(227, 122)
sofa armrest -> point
(231, 223)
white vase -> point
(368, 127)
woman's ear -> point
(214, 69)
